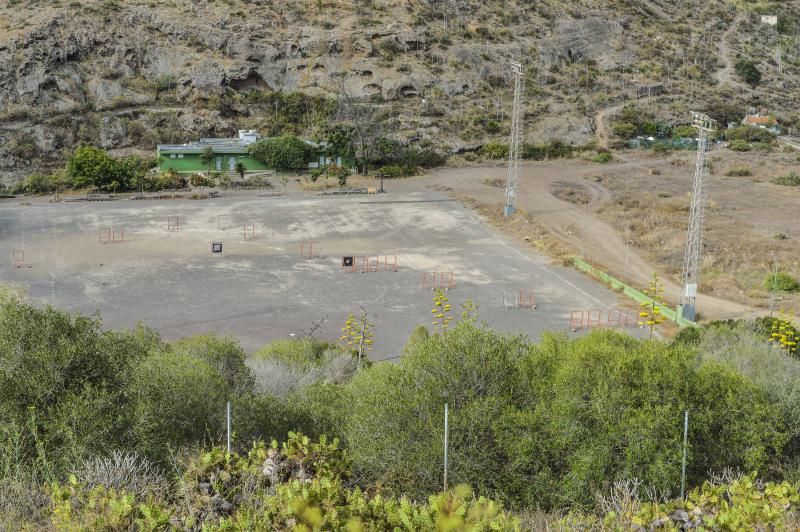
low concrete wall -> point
(631, 292)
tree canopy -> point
(282, 153)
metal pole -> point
(229, 426)
(683, 462)
(445, 446)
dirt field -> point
(261, 289)
(579, 207)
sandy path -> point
(601, 243)
(723, 75)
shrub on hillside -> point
(790, 180)
(494, 150)
(781, 282)
(748, 71)
(603, 157)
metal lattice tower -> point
(694, 238)
(513, 146)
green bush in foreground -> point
(547, 425)
(742, 504)
(300, 485)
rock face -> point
(132, 74)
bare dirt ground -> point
(644, 200)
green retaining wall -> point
(631, 292)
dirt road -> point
(573, 224)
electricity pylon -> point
(513, 146)
(687, 307)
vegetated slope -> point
(131, 74)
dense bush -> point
(392, 153)
(603, 157)
(749, 134)
(494, 150)
(748, 71)
(397, 171)
(781, 282)
(536, 425)
(555, 149)
(546, 425)
(91, 167)
(35, 184)
(294, 113)
(283, 153)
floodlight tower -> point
(513, 146)
(694, 239)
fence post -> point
(445, 446)
(683, 462)
(229, 426)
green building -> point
(185, 158)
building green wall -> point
(190, 163)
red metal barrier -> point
(438, 280)
(576, 320)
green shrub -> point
(492, 127)
(791, 180)
(739, 145)
(514, 416)
(36, 184)
(64, 382)
(301, 353)
(781, 282)
(282, 153)
(179, 401)
(75, 507)
(684, 132)
(739, 504)
(223, 354)
(603, 157)
(748, 71)
(397, 171)
(494, 150)
(739, 171)
(749, 134)
(625, 130)
(92, 167)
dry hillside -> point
(126, 75)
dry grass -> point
(493, 182)
(748, 224)
(571, 192)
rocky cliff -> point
(128, 75)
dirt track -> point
(601, 243)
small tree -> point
(650, 313)
(207, 157)
(240, 169)
(282, 153)
(748, 71)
